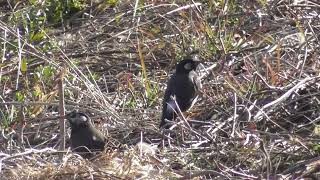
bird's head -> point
(78, 119)
(186, 65)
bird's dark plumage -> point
(85, 138)
(183, 85)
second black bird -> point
(181, 90)
(85, 138)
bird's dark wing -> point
(185, 91)
(168, 112)
(168, 104)
(98, 140)
(88, 137)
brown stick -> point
(61, 111)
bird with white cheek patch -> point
(181, 92)
(85, 138)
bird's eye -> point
(188, 66)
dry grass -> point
(257, 117)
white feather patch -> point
(188, 66)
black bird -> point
(85, 138)
(183, 86)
